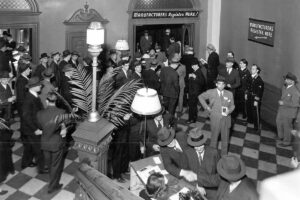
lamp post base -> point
(93, 116)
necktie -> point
(159, 126)
(228, 71)
(199, 158)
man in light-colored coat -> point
(221, 105)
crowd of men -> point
(180, 79)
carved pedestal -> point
(92, 142)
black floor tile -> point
(268, 141)
(18, 181)
(238, 134)
(267, 157)
(18, 195)
(235, 149)
(284, 152)
(250, 144)
(261, 175)
(250, 162)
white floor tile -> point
(32, 186)
(64, 195)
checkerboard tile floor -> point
(261, 154)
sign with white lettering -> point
(261, 31)
(164, 14)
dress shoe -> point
(32, 164)
(43, 171)
(190, 121)
(121, 180)
(58, 187)
(3, 192)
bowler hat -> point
(67, 68)
(33, 81)
(196, 137)
(76, 53)
(165, 136)
(231, 168)
(54, 53)
(175, 58)
(66, 53)
(44, 55)
(21, 49)
(48, 73)
(22, 67)
(220, 79)
(230, 59)
(4, 74)
(291, 77)
(26, 56)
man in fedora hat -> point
(173, 48)
(112, 59)
(196, 85)
(221, 105)
(66, 56)
(54, 65)
(150, 77)
(203, 161)
(253, 97)
(145, 42)
(154, 124)
(6, 96)
(172, 150)
(21, 82)
(4, 59)
(211, 65)
(47, 85)
(74, 59)
(137, 71)
(289, 104)
(124, 74)
(181, 70)
(42, 66)
(65, 87)
(234, 184)
(30, 127)
(52, 140)
(170, 84)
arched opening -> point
(155, 16)
(21, 19)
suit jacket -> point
(291, 102)
(246, 190)
(51, 139)
(4, 62)
(66, 89)
(57, 74)
(121, 78)
(173, 48)
(206, 172)
(196, 85)
(5, 94)
(256, 88)
(169, 82)
(152, 130)
(21, 89)
(245, 79)
(145, 44)
(181, 70)
(212, 65)
(60, 73)
(39, 70)
(31, 106)
(173, 160)
(151, 79)
(233, 79)
(216, 103)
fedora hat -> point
(33, 81)
(291, 77)
(220, 79)
(165, 136)
(4, 74)
(112, 51)
(230, 59)
(44, 55)
(26, 56)
(21, 49)
(75, 53)
(154, 63)
(54, 53)
(196, 137)
(22, 67)
(48, 73)
(66, 53)
(231, 168)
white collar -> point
(33, 93)
(220, 92)
(287, 87)
(234, 185)
(177, 145)
(25, 77)
(5, 86)
(161, 122)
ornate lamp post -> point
(94, 38)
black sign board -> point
(164, 14)
(261, 31)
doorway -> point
(181, 32)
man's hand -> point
(156, 147)
(188, 175)
(74, 110)
(280, 102)
(255, 103)
(143, 149)
(38, 132)
(63, 132)
(228, 85)
(11, 99)
(201, 190)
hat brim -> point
(44, 76)
(291, 78)
(167, 141)
(231, 177)
(198, 143)
(33, 85)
